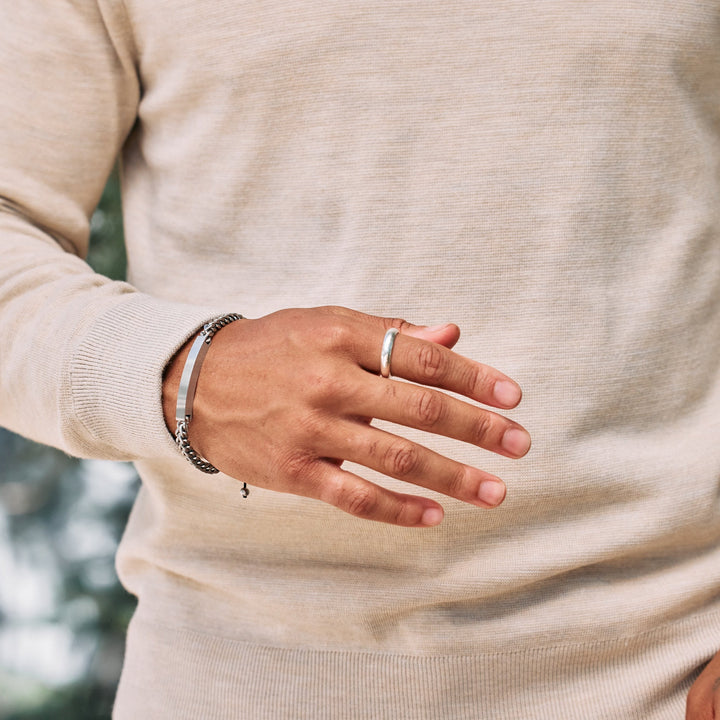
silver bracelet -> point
(186, 393)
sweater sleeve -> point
(81, 356)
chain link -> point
(181, 431)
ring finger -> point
(405, 460)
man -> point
(543, 175)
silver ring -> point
(386, 352)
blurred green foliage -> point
(107, 245)
(61, 522)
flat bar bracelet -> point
(186, 393)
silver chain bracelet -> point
(186, 393)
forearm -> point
(81, 356)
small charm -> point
(244, 491)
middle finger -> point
(433, 411)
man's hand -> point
(283, 400)
(703, 702)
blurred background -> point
(63, 613)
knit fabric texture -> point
(544, 174)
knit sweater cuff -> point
(113, 406)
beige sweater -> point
(544, 173)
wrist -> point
(186, 393)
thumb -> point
(447, 334)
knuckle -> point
(455, 483)
(310, 424)
(370, 447)
(483, 428)
(296, 466)
(401, 458)
(431, 361)
(405, 513)
(334, 334)
(475, 380)
(337, 310)
(360, 501)
(397, 323)
(326, 388)
(429, 408)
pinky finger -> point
(363, 499)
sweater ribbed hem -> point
(182, 674)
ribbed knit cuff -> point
(116, 377)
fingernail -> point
(507, 393)
(432, 516)
(491, 492)
(516, 442)
(438, 328)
